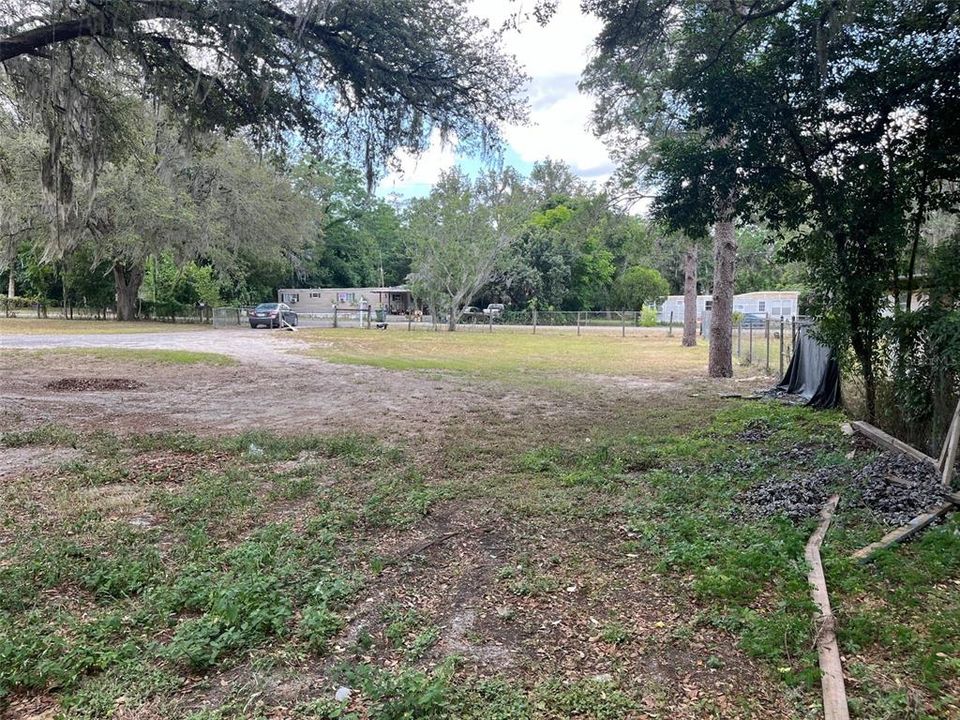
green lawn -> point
(506, 353)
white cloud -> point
(553, 56)
(419, 172)
(559, 48)
(558, 128)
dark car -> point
(269, 314)
(752, 320)
(472, 314)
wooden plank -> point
(831, 678)
(865, 554)
(879, 437)
(949, 453)
(946, 440)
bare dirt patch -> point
(18, 460)
(278, 391)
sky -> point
(553, 57)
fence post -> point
(670, 329)
(578, 322)
(750, 351)
(534, 321)
(781, 346)
(766, 328)
(409, 322)
(335, 308)
(490, 321)
(623, 323)
(739, 337)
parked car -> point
(495, 309)
(753, 320)
(269, 314)
(472, 314)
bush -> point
(648, 317)
(920, 356)
(10, 304)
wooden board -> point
(879, 437)
(831, 670)
(948, 455)
(902, 533)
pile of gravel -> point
(755, 431)
(915, 486)
(80, 384)
(897, 488)
(797, 498)
(801, 455)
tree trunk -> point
(452, 318)
(721, 318)
(690, 297)
(11, 283)
(127, 281)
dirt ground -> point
(275, 386)
(447, 566)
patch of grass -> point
(526, 580)
(594, 699)
(509, 354)
(408, 630)
(614, 633)
(24, 324)
(139, 355)
(401, 498)
(257, 559)
(406, 694)
(49, 434)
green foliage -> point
(747, 112)
(592, 699)
(317, 625)
(421, 67)
(640, 286)
(458, 237)
(174, 289)
(400, 499)
(592, 275)
(920, 357)
(407, 694)
(360, 233)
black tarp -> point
(814, 372)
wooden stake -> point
(948, 455)
(831, 680)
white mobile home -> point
(396, 300)
(776, 303)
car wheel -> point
(253, 326)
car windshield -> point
(267, 306)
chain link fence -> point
(764, 342)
